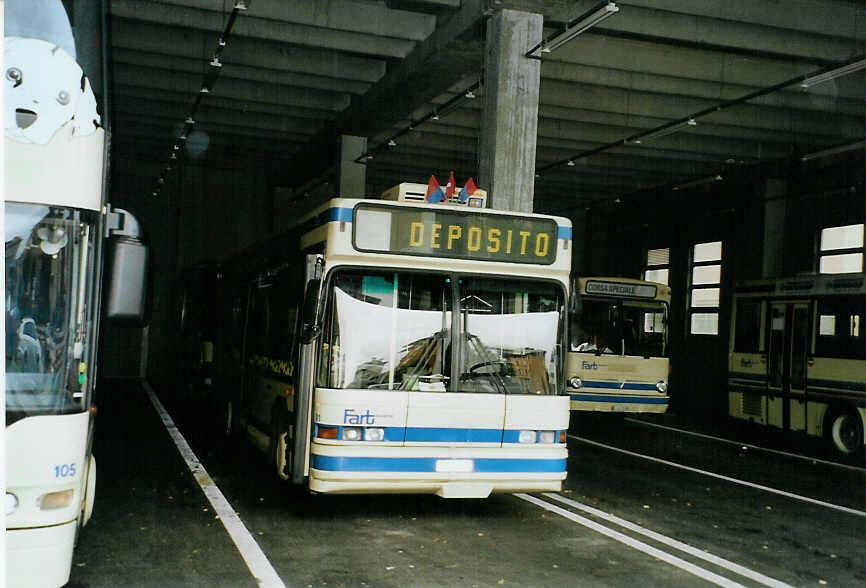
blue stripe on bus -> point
(434, 434)
(338, 214)
(620, 399)
(618, 386)
(564, 233)
(428, 464)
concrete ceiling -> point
(296, 74)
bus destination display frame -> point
(454, 234)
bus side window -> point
(840, 329)
(748, 327)
(285, 302)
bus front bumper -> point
(449, 472)
(40, 557)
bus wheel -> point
(846, 432)
(281, 446)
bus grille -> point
(752, 404)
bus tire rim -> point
(844, 433)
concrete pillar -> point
(351, 182)
(773, 265)
(509, 115)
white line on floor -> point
(684, 547)
(672, 464)
(748, 445)
(258, 564)
(634, 543)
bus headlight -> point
(546, 436)
(374, 434)
(575, 382)
(11, 503)
(55, 500)
(661, 386)
(351, 433)
(526, 437)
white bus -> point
(393, 346)
(618, 360)
(798, 357)
(54, 223)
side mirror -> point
(310, 327)
(125, 271)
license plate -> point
(454, 466)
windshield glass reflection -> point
(398, 331)
(47, 250)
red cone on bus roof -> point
(434, 192)
(468, 189)
(449, 188)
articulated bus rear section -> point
(389, 346)
(797, 357)
(618, 358)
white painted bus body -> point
(453, 444)
(54, 163)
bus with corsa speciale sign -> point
(618, 359)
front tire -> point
(281, 447)
(846, 432)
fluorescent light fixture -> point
(833, 74)
(834, 150)
(574, 28)
(663, 131)
(700, 182)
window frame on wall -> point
(657, 260)
(832, 249)
(700, 279)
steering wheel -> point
(503, 364)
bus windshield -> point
(48, 250)
(622, 327)
(441, 332)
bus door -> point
(303, 392)
(786, 365)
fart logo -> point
(589, 366)
(352, 417)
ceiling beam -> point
(342, 15)
(132, 75)
(238, 72)
(182, 42)
(257, 28)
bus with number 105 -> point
(58, 230)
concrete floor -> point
(152, 525)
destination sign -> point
(454, 233)
(621, 290)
